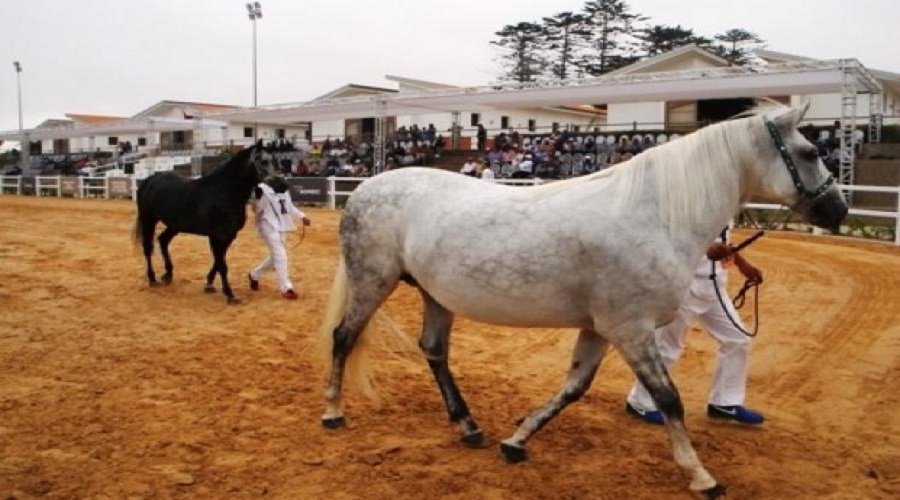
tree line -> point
(605, 35)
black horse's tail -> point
(137, 235)
(138, 232)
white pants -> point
(701, 305)
(277, 258)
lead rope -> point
(741, 296)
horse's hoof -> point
(473, 440)
(233, 301)
(513, 454)
(334, 423)
(715, 492)
(209, 289)
(154, 284)
(167, 279)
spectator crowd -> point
(557, 155)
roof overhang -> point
(138, 126)
(807, 77)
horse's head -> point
(791, 172)
(261, 163)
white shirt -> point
(277, 210)
(487, 174)
(468, 167)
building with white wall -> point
(525, 120)
(193, 135)
(687, 115)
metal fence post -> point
(332, 196)
(897, 222)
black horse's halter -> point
(810, 195)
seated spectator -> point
(486, 173)
(525, 169)
(469, 167)
(494, 156)
(635, 147)
(587, 164)
(301, 169)
(515, 139)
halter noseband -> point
(792, 168)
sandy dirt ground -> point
(110, 389)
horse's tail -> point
(358, 368)
(137, 235)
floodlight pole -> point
(18, 67)
(254, 11)
(24, 142)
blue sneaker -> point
(737, 413)
(654, 417)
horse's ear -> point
(791, 117)
(803, 109)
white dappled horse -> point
(612, 254)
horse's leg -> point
(589, 351)
(148, 227)
(211, 275)
(435, 343)
(366, 291)
(220, 248)
(165, 238)
(642, 355)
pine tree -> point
(736, 45)
(521, 44)
(612, 26)
(565, 34)
(658, 39)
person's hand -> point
(750, 271)
(719, 251)
(306, 221)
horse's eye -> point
(811, 154)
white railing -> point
(11, 183)
(93, 187)
(48, 183)
(520, 182)
(333, 193)
(854, 211)
(98, 187)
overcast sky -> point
(120, 57)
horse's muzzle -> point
(828, 210)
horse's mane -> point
(693, 175)
(228, 168)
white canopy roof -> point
(796, 77)
(807, 77)
(134, 126)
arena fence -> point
(330, 191)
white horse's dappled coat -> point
(611, 254)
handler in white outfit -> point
(275, 215)
(726, 399)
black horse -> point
(213, 206)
